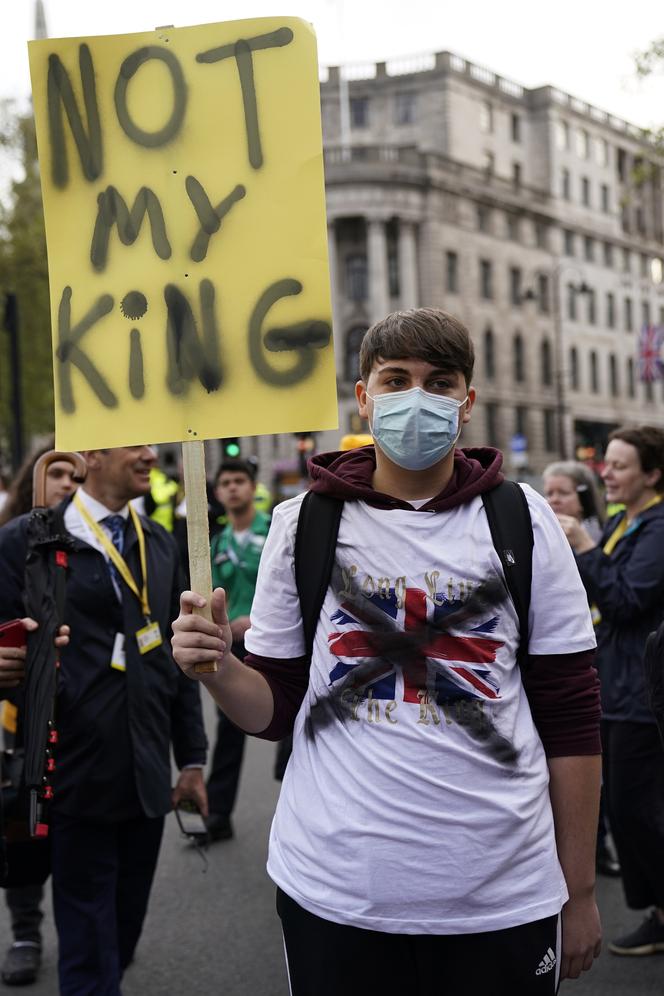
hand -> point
(190, 785)
(12, 659)
(239, 627)
(582, 936)
(195, 639)
(577, 536)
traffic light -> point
(230, 448)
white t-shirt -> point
(417, 802)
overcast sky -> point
(585, 47)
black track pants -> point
(330, 959)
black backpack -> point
(316, 540)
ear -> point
(472, 397)
(653, 477)
(92, 458)
(361, 396)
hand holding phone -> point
(13, 633)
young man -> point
(121, 703)
(236, 553)
(440, 809)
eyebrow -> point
(402, 370)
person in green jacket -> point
(235, 552)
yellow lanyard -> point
(623, 526)
(117, 558)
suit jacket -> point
(115, 728)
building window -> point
(650, 397)
(585, 191)
(515, 127)
(611, 310)
(640, 221)
(594, 372)
(644, 264)
(393, 269)
(452, 272)
(629, 314)
(592, 307)
(357, 278)
(606, 205)
(359, 112)
(602, 151)
(562, 135)
(545, 363)
(582, 143)
(574, 368)
(589, 248)
(492, 434)
(486, 279)
(354, 339)
(571, 302)
(541, 235)
(489, 163)
(565, 185)
(631, 384)
(516, 174)
(516, 289)
(489, 355)
(521, 421)
(626, 261)
(512, 227)
(483, 218)
(404, 108)
(486, 117)
(519, 359)
(656, 270)
(645, 313)
(543, 293)
(613, 375)
(569, 242)
(608, 254)
(549, 430)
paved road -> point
(215, 932)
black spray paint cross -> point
(189, 356)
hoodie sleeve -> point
(563, 693)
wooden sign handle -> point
(198, 531)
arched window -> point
(354, 339)
(489, 355)
(357, 278)
(518, 357)
(545, 363)
(574, 368)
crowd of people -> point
(441, 657)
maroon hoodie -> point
(562, 689)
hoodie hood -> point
(349, 475)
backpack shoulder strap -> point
(512, 533)
(315, 547)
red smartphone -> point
(12, 633)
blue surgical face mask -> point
(415, 429)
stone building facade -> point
(533, 216)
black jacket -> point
(628, 589)
(115, 728)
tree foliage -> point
(24, 272)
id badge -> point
(118, 657)
(148, 638)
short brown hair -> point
(424, 333)
(648, 441)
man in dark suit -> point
(121, 702)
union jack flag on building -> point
(651, 361)
(450, 667)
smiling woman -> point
(624, 577)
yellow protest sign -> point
(182, 177)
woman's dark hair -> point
(19, 495)
(648, 441)
(425, 334)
